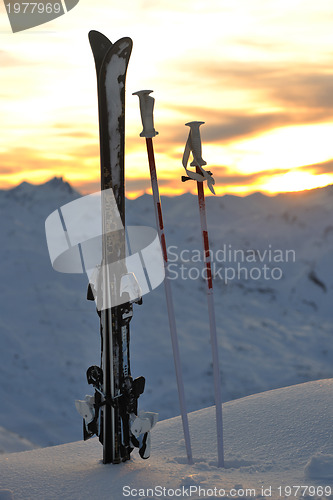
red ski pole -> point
(200, 175)
(146, 109)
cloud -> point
(67, 130)
(7, 59)
(280, 83)
(235, 125)
(225, 126)
(87, 187)
(140, 184)
(85, 152)
(4, 170)
(225, 176)
(17, 160)
(313, 91)
(275, 95)
(148, 6)
(325, 167)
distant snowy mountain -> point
(272, 258)
(277, 445)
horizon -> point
(208, 194)
(259, 77)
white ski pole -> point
(200, 175)
(146, 109)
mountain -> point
(277, 445)
(273, 293)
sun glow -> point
(297, 181)
(283, 148)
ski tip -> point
(95, 33)
(100, 44)
(96, 37)
(127, 41)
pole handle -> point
(147, 113)
(195, 143)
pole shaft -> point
(168, 294)
(212, 323)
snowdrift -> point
(278, 444)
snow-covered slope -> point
(278, 444)
(272, 332)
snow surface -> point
(272, 332)
(277, 439)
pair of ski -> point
(112, 412)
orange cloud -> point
(300, 94)
(325, 167)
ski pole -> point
(194, 144)
(146, 109)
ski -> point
(100, 251)
(110, 412)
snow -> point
(272, 333)
(114, 85)
(320, 466)
(270, 440)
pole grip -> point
(196, 147)
(147, 113)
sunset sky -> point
(259, 73)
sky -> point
(259, 74)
